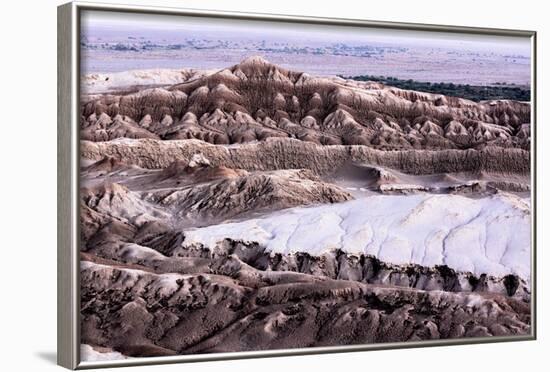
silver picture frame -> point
(68, 289)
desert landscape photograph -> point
(248, 185)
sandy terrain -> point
(255, 208)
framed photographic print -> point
(238, 185)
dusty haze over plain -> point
(114, 42)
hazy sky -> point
(419, 55)
(231, 28)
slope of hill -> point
(255, 100)
(256, 208)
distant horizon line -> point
(338, 75)
(136, 23)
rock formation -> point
(257, 208)
(255, 100)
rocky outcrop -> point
(241, 260)
(292, 154)
(257, 208)
(255, 100)
(139, 313)
(196, 193)
(256, 192)
(459, 244)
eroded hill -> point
(255, 100)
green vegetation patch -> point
(472, 92)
